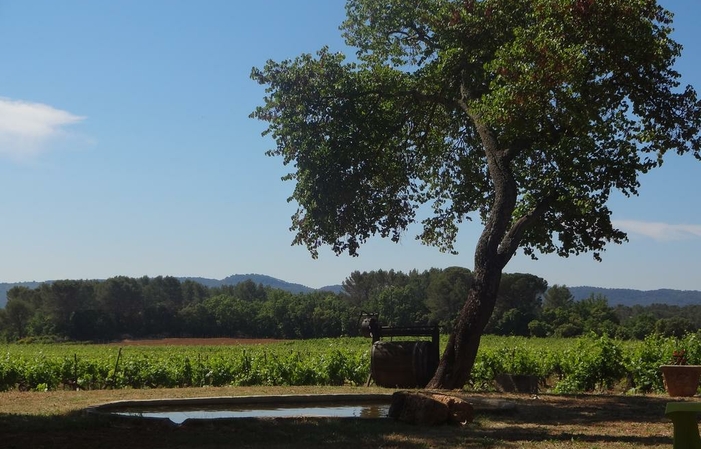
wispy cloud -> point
(27, 129)
(660, 231)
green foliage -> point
(594, 364)
(249, 310)
(567, 365)
(563, 317)
(445, 295)
(567, 330)
(518, 303)
(644, 363)
(677, 326)
(558, 297)
(511, 355)
(537, 328)
(318, 362)
(443, 92)
(525, 113)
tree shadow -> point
(589, 409)
(547, 419)
(585, 418)
(78, 431)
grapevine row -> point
(562, 365)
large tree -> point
(524, 113)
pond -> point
(286, 406)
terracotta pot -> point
(681, 380)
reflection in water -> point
(178, 414)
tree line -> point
(123, 307)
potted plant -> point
(680, 378)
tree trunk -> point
(459, 356)
(496, 245)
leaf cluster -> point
(457, 105)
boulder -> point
(428, 408)
(460, 411)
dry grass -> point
(53, 420)
(63, 402)
(197, 342)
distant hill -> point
(267, 281)
(335, 288)
(629, 297)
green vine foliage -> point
(593, 364)
(589, 364)
(646, 358)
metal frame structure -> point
(369, 324)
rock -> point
(428, 409)
(460, 411)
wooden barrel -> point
(403, 364)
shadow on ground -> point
(601, 421)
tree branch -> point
(412, 93)
(418, 36)
(510, 243)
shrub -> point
(594, 364)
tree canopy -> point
(526, 114)
(577, 97)
(87, 310)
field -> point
(47, 386)
(197, 342)
(129, 365)
(594, 364)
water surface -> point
(178, 414)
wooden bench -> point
(686, 429)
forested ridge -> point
(234, 279)
(123, 307)
(631, 297)
(615, 296)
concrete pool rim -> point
(109, 409)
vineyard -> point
(562, 365)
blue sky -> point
(126, 149)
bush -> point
(568, 330)
(594, 364)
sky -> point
(126, 148)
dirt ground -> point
(547, 421)
(195, 342)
